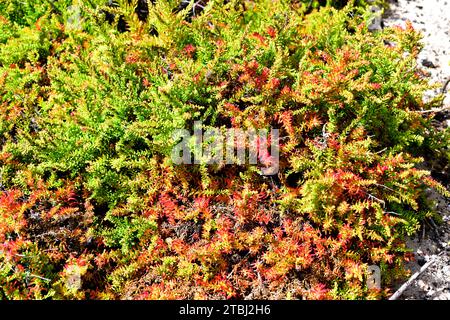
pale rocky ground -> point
(432, 18)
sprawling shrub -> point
(92, 93)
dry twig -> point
(406, 285)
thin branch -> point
(393, 213)
(433, 110)
(381, 151)
(434, 224)
(385, 187)
(372, 197)
(405, 286)
(39, 277)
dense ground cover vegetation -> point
(91, 91)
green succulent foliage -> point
(126, 233)
(24, 13)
